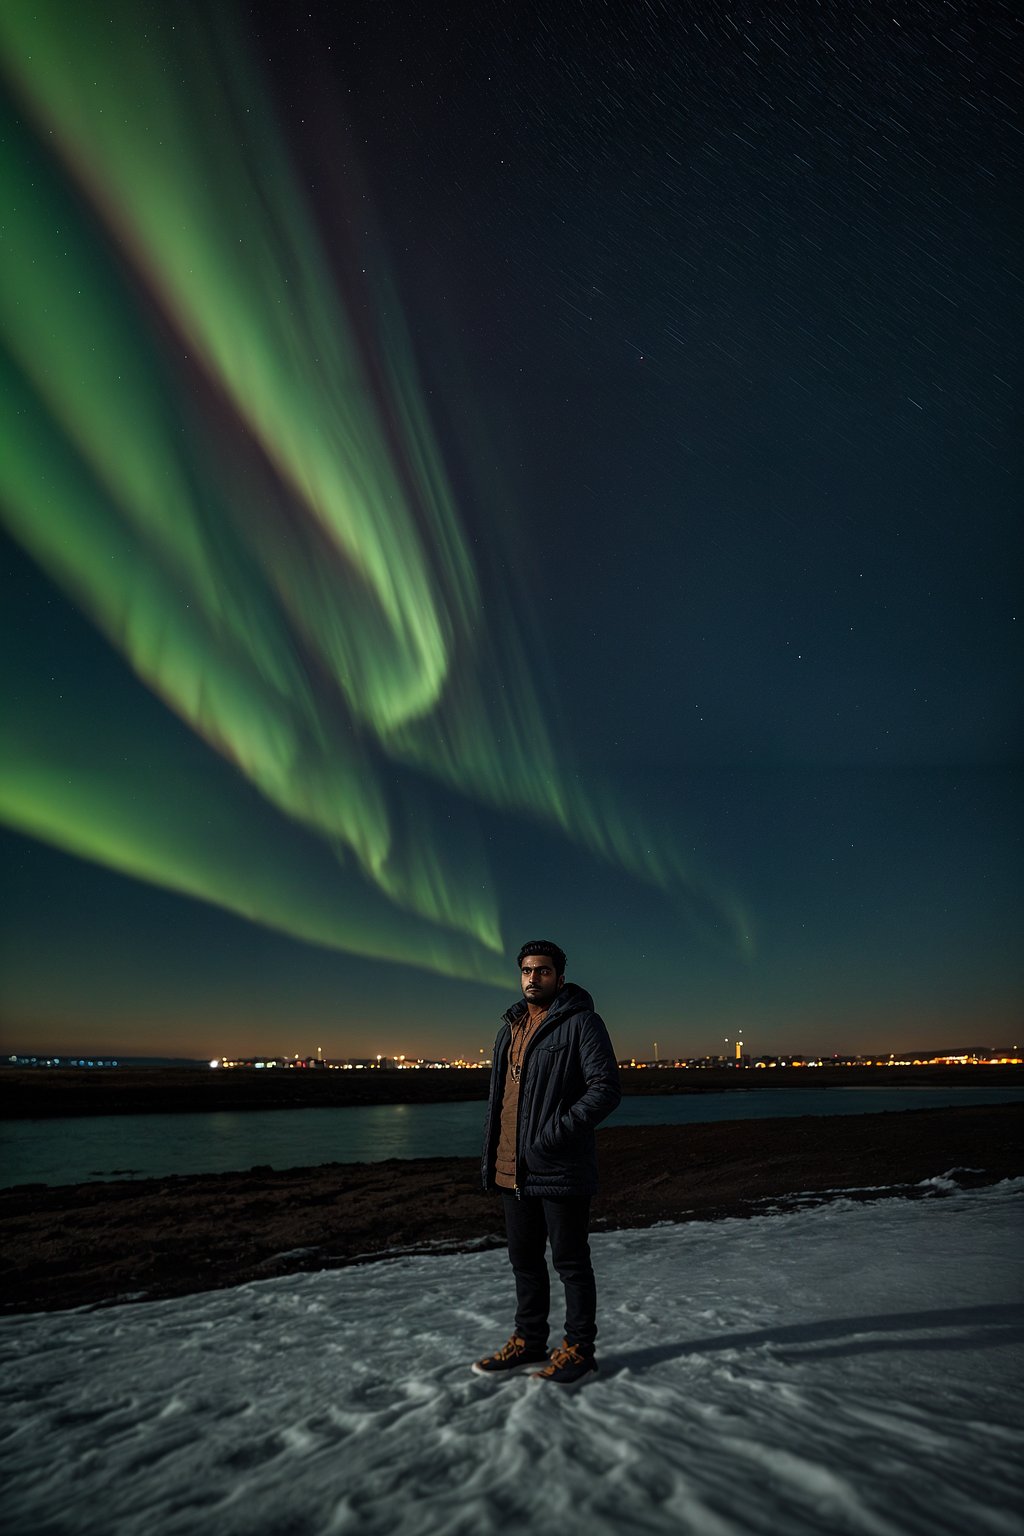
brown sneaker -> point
(513, 1356)
(569, 1365)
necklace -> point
(516, 1067)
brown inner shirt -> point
(505, 1160)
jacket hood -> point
(571, 999)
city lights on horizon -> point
(978, 1056)
(733, 1057)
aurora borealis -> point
(301, 596)
(423, 530)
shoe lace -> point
(566, 1354)
(514, 1346)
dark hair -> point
(544, 947)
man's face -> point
(540, 982)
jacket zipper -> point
(519, 1112)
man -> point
(553, 1079)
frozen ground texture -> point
(841, 1368)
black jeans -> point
(529, 1222)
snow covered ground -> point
(841, 1368)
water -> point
(86, 1147)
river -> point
(76, 1150)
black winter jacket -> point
(569, 1083)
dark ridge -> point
(49, 1093)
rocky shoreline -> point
(108, 1242)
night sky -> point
(489, 472)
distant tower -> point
(739, 1049)
(319, 1053)
(655, 1053)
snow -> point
(843, 1368)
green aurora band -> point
(252, 508)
